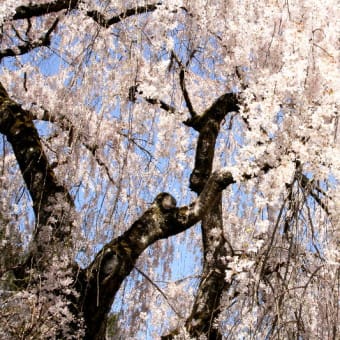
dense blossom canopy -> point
(229, 106)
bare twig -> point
(28, 46)
(309, 187)
(163, 105)
(160, 291)
(183, 86)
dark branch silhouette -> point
(44, 40)
(35, 10)
(100, 19)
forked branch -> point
(44, 40)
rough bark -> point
(52, 204)
(114, 262)
(206, 306)
(212, 283)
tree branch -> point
(160, 291)
(309, 186)
(102, 21)
(116, 260)
(212, 283)
(99, 283)
(163, 105)
(52, 204)
(93, 150)
(44, 40)
(30, 11)
(208, 125)
(182, 84)
(68, 126)
(186, 93)
(35, 10)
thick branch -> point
(99, 283)
(52, 204)
(116, 260)
(208, 125)
(212, 284)
(36, 10)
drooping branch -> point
(44, 40)
(64, 122)
(309, 186)
(305, 183)
(159, 290)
